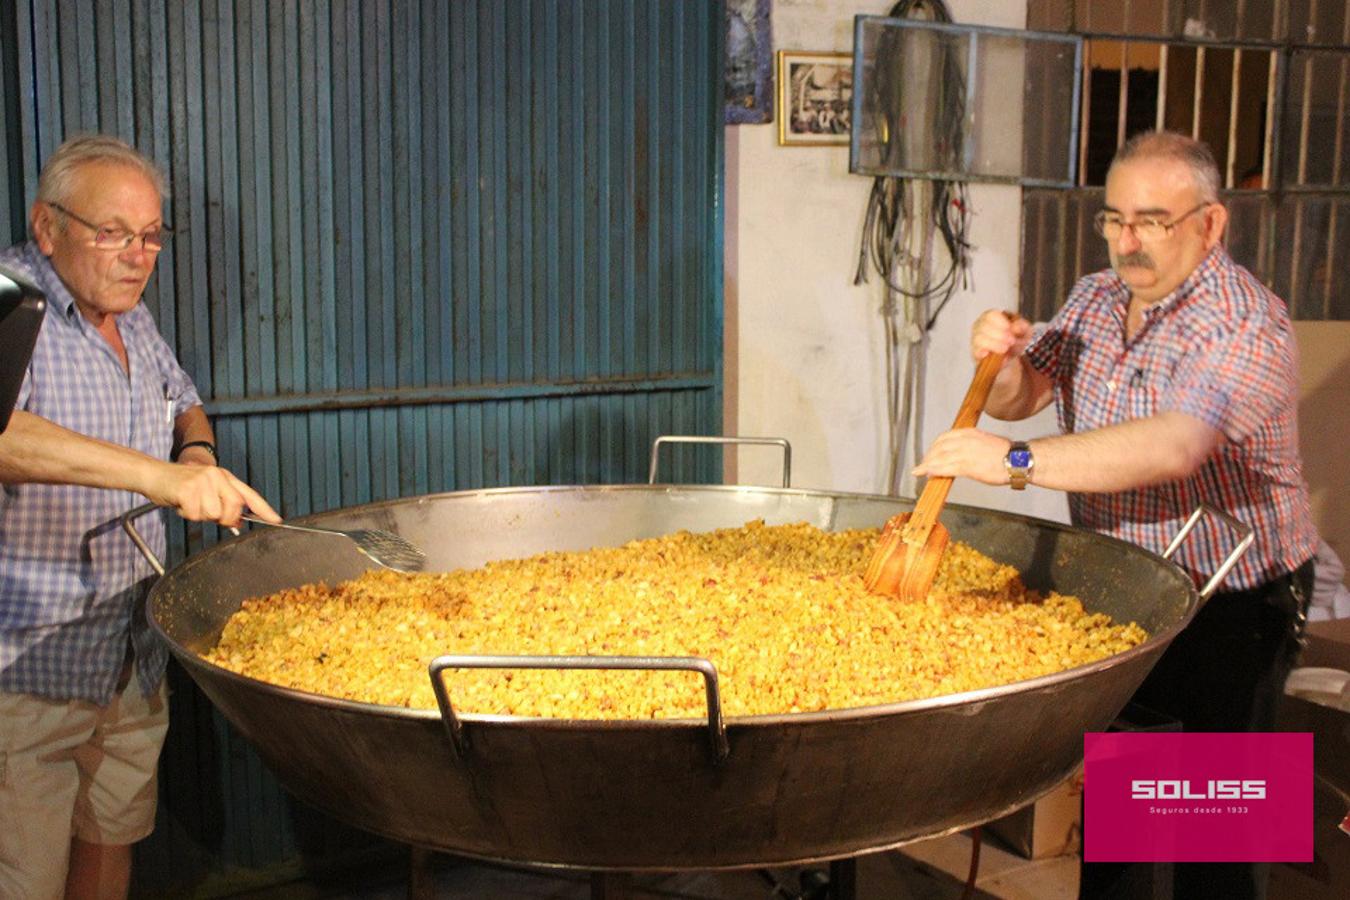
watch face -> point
(1019, 459)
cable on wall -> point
(905, 221)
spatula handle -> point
(934, 495)
(978, 392)
(247, 517)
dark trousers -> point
(1224, 672)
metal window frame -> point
(1282, 57)
(1274, 89)
(1281, 256)
(860, 22)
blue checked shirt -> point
(72, 585)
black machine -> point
(22, 307)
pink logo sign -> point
(1203, 797)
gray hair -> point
(1170, 145)
(58, 175)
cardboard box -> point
(1323, 397)
(1328, 645)
(1328, 875)
(1051, 826)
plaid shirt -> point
(72, 585)
(1219, 348)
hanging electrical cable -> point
(906, 218)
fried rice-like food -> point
(780, 611)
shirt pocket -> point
(153, 428)
(1144, 391)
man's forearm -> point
(1122, 457)
(35, 450)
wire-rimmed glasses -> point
(1149, 229)
(116, 239)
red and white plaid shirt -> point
(1219, 348)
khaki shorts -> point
(73, 768)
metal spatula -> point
(384, 547)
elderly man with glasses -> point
(1174, 376)
(83, 709)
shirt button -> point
(1110, 385)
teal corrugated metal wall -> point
(423, 247)
(11, 180)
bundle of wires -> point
(906, 217)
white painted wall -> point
(805, 357)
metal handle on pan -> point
(1247, 535)
(126, 519)
(704, 439)
(717, 729)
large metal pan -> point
(666, 795)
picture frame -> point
(814, 98)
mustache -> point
(1139, 259)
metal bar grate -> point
(1280, 133)
(1234, 98)
(1198, 91)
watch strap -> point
(210, 448)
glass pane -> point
(1310, 250)
(1318, 122)
(1254, 67)
(1179, 100)
(962, 102)
(1247, 237)
(1058, 247)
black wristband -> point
(210, 447)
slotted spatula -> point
(383, 547)
(907, 554)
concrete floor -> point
(928, 870)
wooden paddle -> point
(906, 558)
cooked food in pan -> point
(781, 611)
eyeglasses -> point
(1148, 230)
(116, 240)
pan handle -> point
(1245, 538)
(717, 728)
(705, 439)
(126, 519)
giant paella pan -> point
(708, 793)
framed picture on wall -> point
(814, 97)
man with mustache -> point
(1174, 376)
(103, 405)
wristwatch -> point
(1019, 462)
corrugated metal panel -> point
(423, 246)
(11, 185)
(11, 188)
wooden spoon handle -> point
(934, 495)
(978, 392)
(908, 554)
